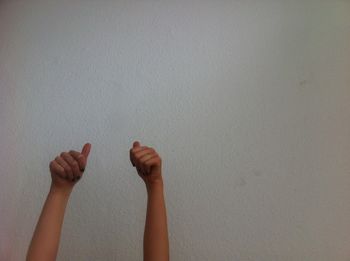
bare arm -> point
(46, 237)
(65, 170)
(148, 165)
(155, 241)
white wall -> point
(247, 103)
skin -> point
(66, 170)
(149, 167)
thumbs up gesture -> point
(67, 168)
(147, 162)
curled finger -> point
(72, 163)
(57, 169)
(79, 157)
(67, 169)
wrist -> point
(155, 185)
(62, 191)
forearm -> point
(45, 241)
(156, 243)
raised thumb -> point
(136, 144)
(86, 150)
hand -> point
(147, 162)
(68, 168)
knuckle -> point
(62, 172)
(148, 163)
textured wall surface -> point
(247, 102)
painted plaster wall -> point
(247, 102)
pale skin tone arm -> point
(65, 170)
(149, 167)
